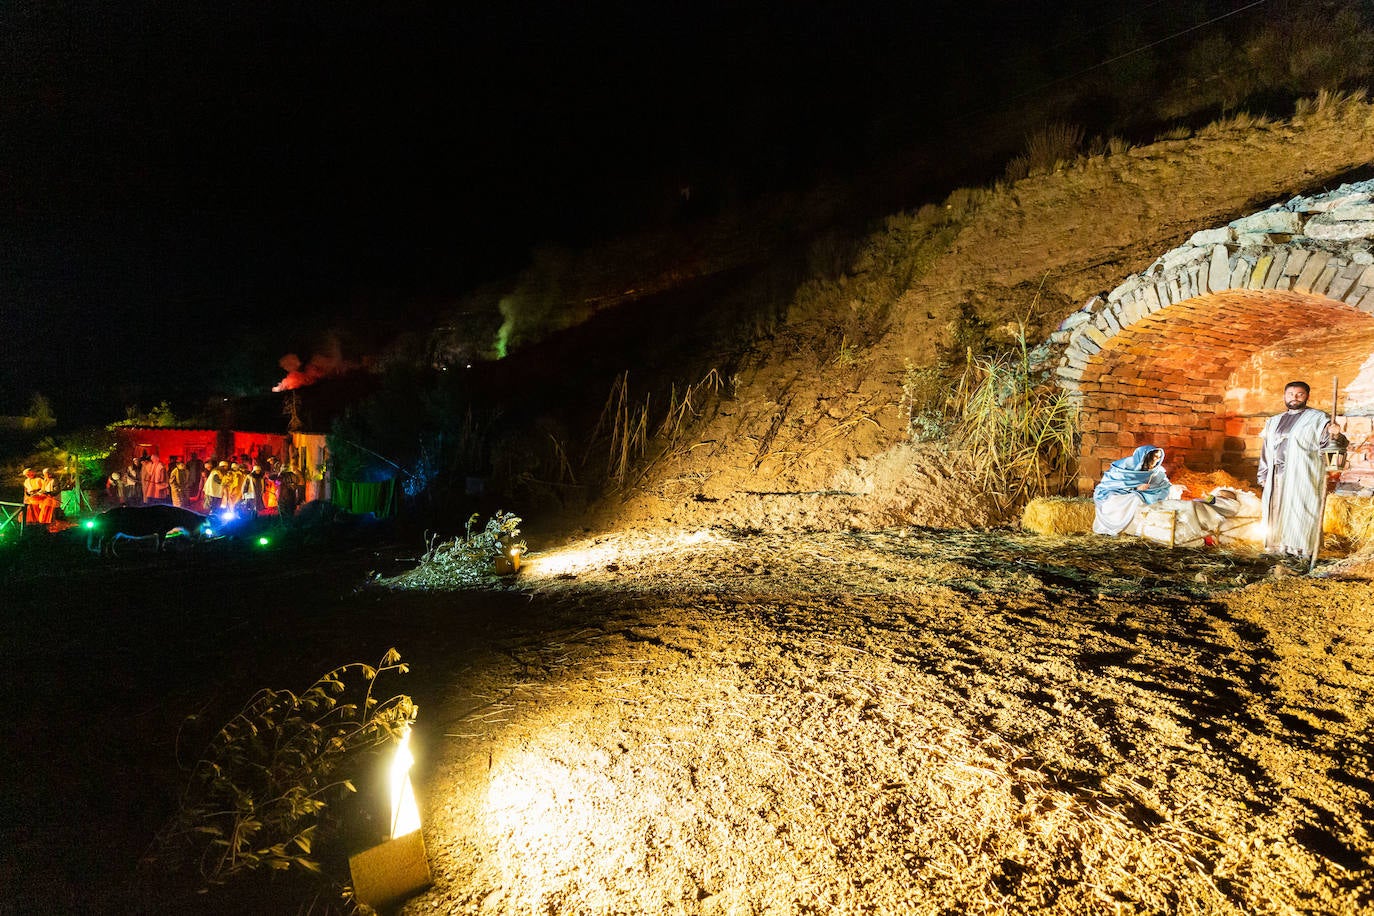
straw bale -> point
(1058, 515)
(1351, 518)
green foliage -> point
(161, 415)
(79, 452)
(468, 560)
(259, 792)
(1019, 430)
(502, 531)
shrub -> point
(468, 560)
(259, 792)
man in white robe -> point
(1292, 472)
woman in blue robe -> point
(1128, 485)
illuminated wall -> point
(135, 441)
(1193, 353)
(1200, 377)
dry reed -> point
(1018, 432)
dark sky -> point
(177, 176)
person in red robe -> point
(154, 479)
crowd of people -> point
(239, 484)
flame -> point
(405, 814)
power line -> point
(1133, 51)
(1133, 14)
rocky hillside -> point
(808, 430)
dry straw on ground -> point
(1351, 518)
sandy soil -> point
(904, 721)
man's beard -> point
(1294, 405)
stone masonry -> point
(1192, 353)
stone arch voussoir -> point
(1191, 353)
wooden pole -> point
(1321, 512)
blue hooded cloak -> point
(1126, 475)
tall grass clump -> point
(1018, 430)
(1239, 120)
(1328, 102)
(1055, 143)
(1116, 146)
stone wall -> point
(1192, 353)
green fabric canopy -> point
(358, 497)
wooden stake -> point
(1321, 512)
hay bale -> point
(1058, 515)
(1350, 518)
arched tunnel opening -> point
(1200, 376)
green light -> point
(90, 523)
(262, 542)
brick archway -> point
(1192, 354)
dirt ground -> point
(905, 720)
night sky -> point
(185, 184)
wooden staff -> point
(1321, 512)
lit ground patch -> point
(906, 723)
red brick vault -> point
(1192, 354)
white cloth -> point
(214, 485)
(1243, 527)
(1117, 513)
(1293, 524)
(1195, 520)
